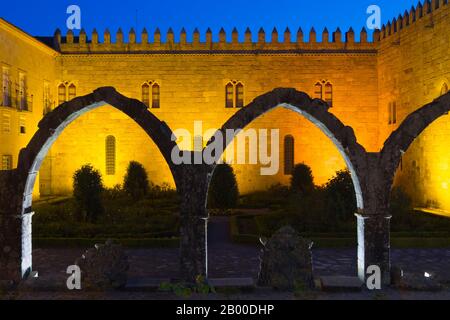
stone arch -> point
(314, 110)
(414, 124)
(51, 126)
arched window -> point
(288, 154)
(146, 94)
(110, 159)
(72, 91)
(329, 94)
(155, 96)
(318, 90)
(229, 95)
(239, 95)
(444, 89)
(61, 93)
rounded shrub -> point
(223, 189)
(302, 180)
(87, 191)
(136, 183)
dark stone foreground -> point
(229, 260)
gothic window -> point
(318, 90)
(146, 94)
(229, 95)
(6, 162)
(239, 95)
(288, 154)
(234, 94)
(72, 91)
(110, 145)
(61, 93)
(324, 90)
(155, 96)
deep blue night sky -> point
(44, 16)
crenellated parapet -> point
(420, 15)
(275, 42)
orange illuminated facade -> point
(369, 85)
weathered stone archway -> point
(316, 111)
(15, 262)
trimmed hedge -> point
(90, 242)
(405, 239)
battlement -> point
(421, 14)
(84, 44)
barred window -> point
(155, 96)
(72, 91)
(239, 95)
(288, 154)
(146, 94)
(229, 95)
(6, 162)
(23, 91)
(61, 93)
(110, 145)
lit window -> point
(318, 90)
(288, 154)
(61, 93)
(6, 86)
(72, 91)
(329, 94)
(110, 145)
(239, 95)
(155, 96)
(6, 162)
(229, 95)
(146, 94)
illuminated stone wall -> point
(193, 89)
(413, 66)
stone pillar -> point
(374, 245)
(192, 187)
(10, 228)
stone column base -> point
(374, 245)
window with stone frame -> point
(239, 95)
(229, 95)
(72, 92)
(62, 93)
(156, 96)
(146, 94)
(6, 88)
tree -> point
(223, 189)
(87, 191)
(136, 183)
(340, 196)
(302, 180)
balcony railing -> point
(18, 101)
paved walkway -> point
(232, 260)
